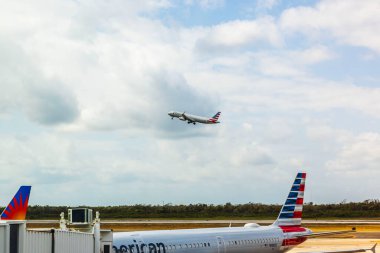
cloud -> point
(266, 4)
(291, 63)
(360, 155)
(251, 155)
(206, 4)
(350, 22)
(86, 87)
(53, 105)
(43, 100)
(116, 75)
(240, 33)
(163, 91)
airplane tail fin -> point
(215, 117)
(291, 211)
(17, 208)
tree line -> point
(365, 209)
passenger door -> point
(221, 244)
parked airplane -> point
(17, 208)
(285, 233)
(193, 118)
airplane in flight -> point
(17, 208)
(194, 118)
(284, 234)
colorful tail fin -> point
(291, 211)
(215, 117)
(17, 208)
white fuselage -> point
(265, 239)
(191, 118)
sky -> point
(86, 86)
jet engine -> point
(182, 118)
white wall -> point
(73, 242)
(4, 238)
(38, 242)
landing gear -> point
(193, 123)
(172, 118)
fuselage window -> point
(209, 245)
(205, 244)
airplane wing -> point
(189, 120)
(347, 251)
(184, 116)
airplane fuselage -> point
(260, 239)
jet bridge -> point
(15, 238)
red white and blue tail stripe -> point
(291, 211)
(215, 118)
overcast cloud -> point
(86, 87)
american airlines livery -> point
(17, 208)
(193, 118)
(285, 233)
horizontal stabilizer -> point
(313, 235)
